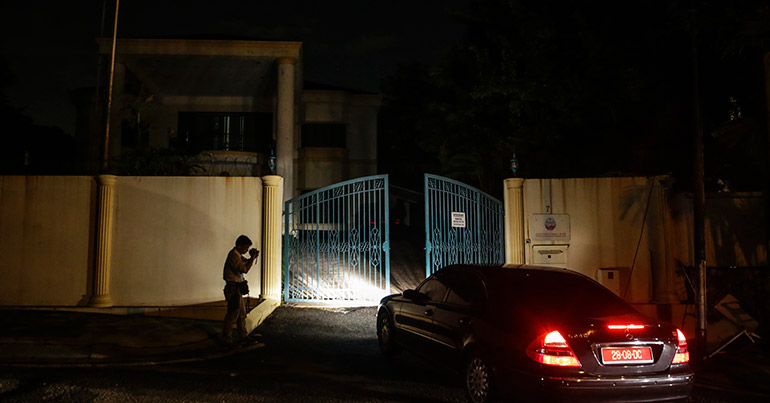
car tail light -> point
(630, 326)
(552, 349)
(682, 355)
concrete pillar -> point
(271, 236)
(514, 220)
(285, 125)
(100, 298)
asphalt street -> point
(318, 355)
(308, 355)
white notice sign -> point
(458, 220)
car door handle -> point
(428, 312)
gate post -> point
(514, 220)
(101, 291)
(271, 237)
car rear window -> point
(556, 294)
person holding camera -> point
(236, 265)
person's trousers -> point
(236, 311)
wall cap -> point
(514, 183)
(272, 180)
(106, 180)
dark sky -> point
(49, 46)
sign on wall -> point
(549, 227)
(458, 219)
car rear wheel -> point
(478, 379)
(385, 335)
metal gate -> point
(336, 243)
(462, 225)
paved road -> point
(309, 355)
(332, 355)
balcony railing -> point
(231, 163)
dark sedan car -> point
(536, 333)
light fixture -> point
(514, 164)
(271, 162)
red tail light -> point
(625, 327)
(552, 349)
(682, 355)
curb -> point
(211, 348)
(145, 362)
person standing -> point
(236, 265)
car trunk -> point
(582, 311)
(646, 347)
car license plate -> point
(626, 355)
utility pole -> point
(699, 200)
(109, 96)
(766, 70)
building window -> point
(250, 132)
(323, 135)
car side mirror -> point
(415, 295)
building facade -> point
(233, 107)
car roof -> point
(554, 291)
(509, 271)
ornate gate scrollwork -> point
(463, 225)
(336, 243)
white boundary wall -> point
(172, 234)
(170, 238)
(46, 227)
(606, 224)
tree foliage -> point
(28, 148)
(575, 88)
(734, 37)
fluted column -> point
(514, 220)
(285, 124)
(271, 236)
(100, 297)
